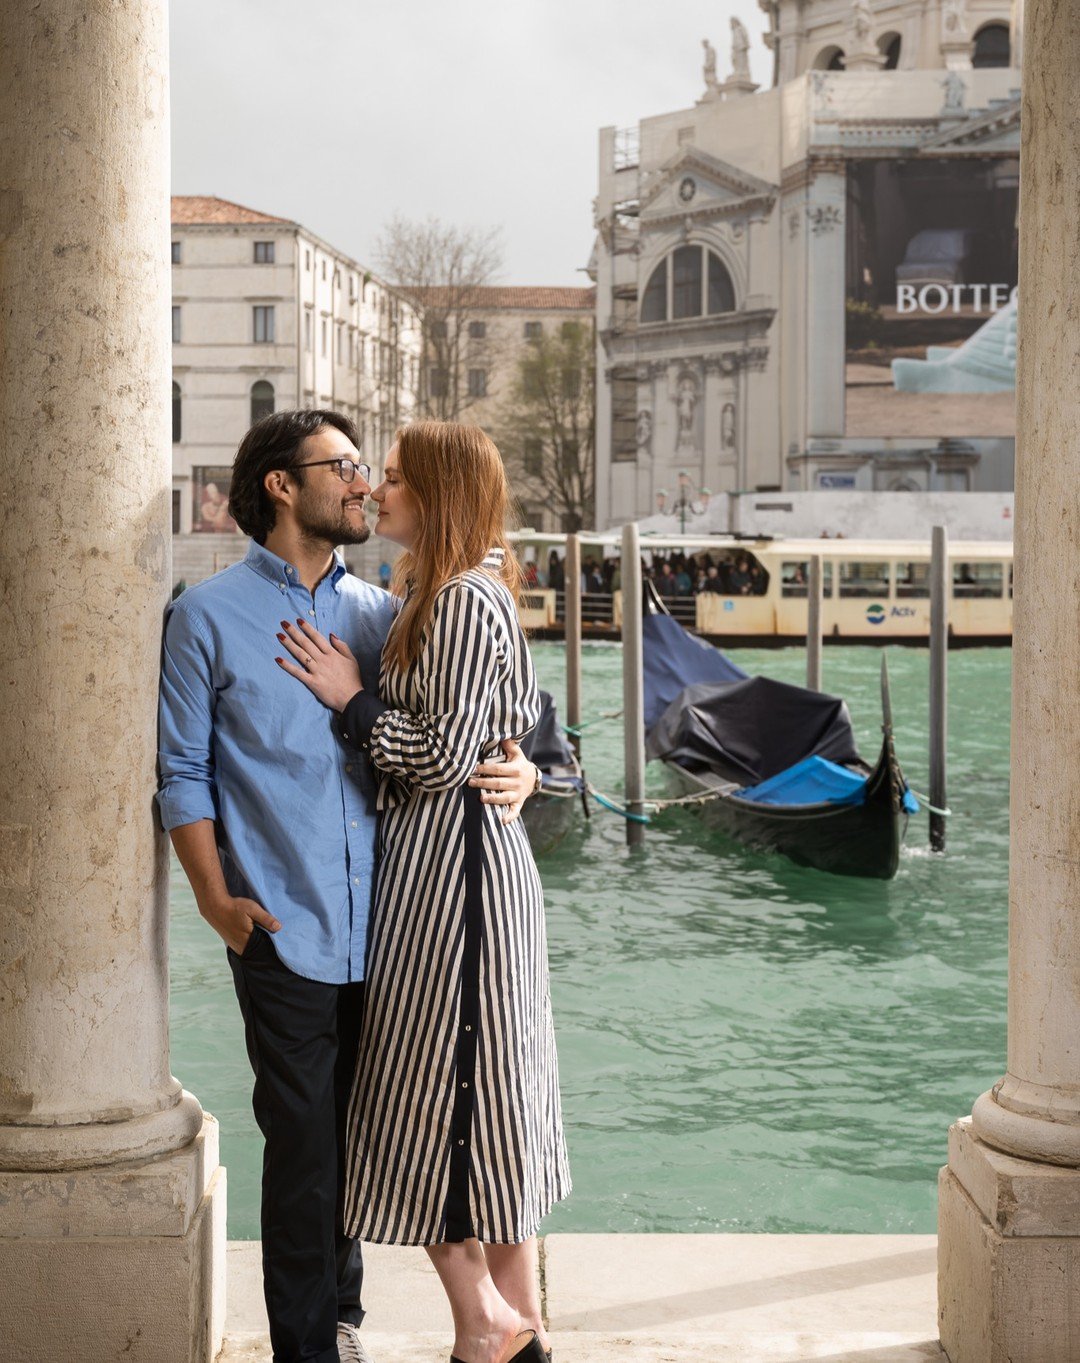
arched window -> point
(176, 413)
(830, 58)
(889, 47)
(654, 304)
(699, 286)
(262, 400)
(991, 46)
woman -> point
(456, 1136)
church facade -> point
(812, 286)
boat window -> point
(977, 579)
(869, 578)
(913, 579)
(1010, 581)
(795, 578)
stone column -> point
(111, 1199)
(1009, 1273)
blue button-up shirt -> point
(247, 745)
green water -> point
(744, 1045)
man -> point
(272, 818)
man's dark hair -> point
(275, 442)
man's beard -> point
(320, 523)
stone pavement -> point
(655, 1298)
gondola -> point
(549, 815)
(775, 764)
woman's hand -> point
(325, 666)
(507, 783)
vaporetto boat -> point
(873, 590)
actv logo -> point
(875, 614)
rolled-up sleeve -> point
(186, 723)
(458, 672)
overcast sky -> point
(338, 113)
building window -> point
(439, 330)
(352, 351)
(570, 331)
(686, 282)
(324, 269)
(307, 261)
(340, 355)
(176, 496)
(176, 253)
(322, 339)
(571, 383)
(531, 382)
(477, 330)
(176, 324)
(654, 304)
(478, 383)
(533, 331)
(262, 400)
(991, 46)
(700, 285)
(533, 457)
(264, 322)
(177, 413)
(307, 330)
(264, 253)
(889, 47)
(438, 381)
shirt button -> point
(311, 612)
(356, 880)
(281, 586)
(355, 824)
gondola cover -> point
(750, 729)
(547, 745)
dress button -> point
(461, 1142)
(468, 1027)
(464, 1085)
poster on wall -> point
(210, 511)
(930, 335)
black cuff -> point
(357, 720)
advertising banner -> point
(931, 297)
(210, 511)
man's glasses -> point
(346, 469)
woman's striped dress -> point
(455, 1127)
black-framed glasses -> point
(346, 468)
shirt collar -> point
(276, 570)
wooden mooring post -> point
(633, 685)
(813, 624)
(572, 628)
(939, 682)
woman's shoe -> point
(532, 1352)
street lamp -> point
(685, 502)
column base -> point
(1008, 1255)
(122, 1261)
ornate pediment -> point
(996, 128)
(694, 183)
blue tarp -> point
(815, 781)
(675, 660)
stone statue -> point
(727, 426)
(740, 50)
(644, 427)
(954, 20)
(710, 64)
(862, 21)
(955, 93)
(686, 401)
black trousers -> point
(302, 1038)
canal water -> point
(744, 1045)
